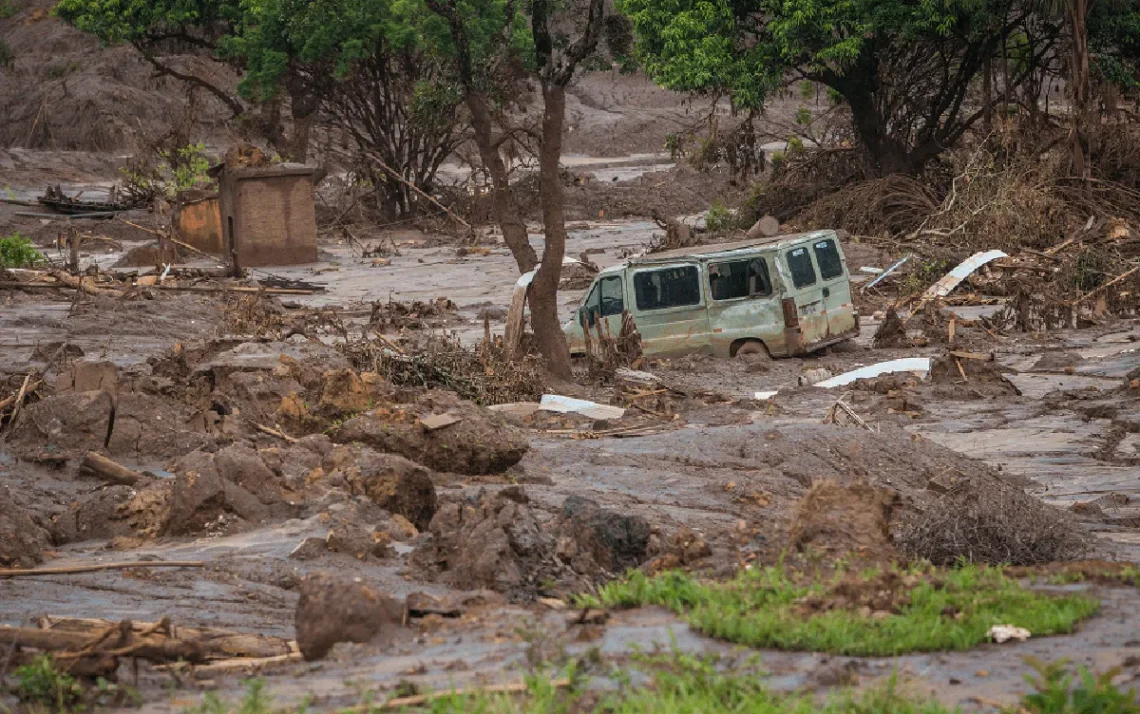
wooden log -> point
(110, 470)
(20, 398)
(78, 283)
(72, 569)
(117, 641)
(216, 643)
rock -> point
(482, 442)
(153, 427)
(309, 549)
(63, 426)
(344, 393)
(335, 608)
(392, 482)
(89, 375)
(400, 528)
(494, 542)
(22, 542)
(358, 541)
(205, 499)
(590, 537)
(94, 516)
(245, 467)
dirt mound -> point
(891, 331)
(989, 521)
(392, 482)
(335, 608)
(62, 427)
(65, 90)
(480, 442)
(94, 515)
(592, 539)
(852, 521)
(494, 542)
(22, 542)
(975, 377)
(207, 503)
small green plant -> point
(1056, 692)
(795, 145)
(16, 251)
(8, 8)
(255, 701)
(803, 116)
(807, 90)
(7, 57)
(42, 683)
(62, 69)
(719, 218)
(188, 165)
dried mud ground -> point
(731, 469)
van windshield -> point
(739, 279)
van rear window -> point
(670, 287)
(740, 278)
(799, 262)
(827, 255)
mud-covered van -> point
(786, 295)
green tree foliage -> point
(905, 67)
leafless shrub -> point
(483, 374)
(995, 523)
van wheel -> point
(752, 351)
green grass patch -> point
(682, 684)
(937, 609)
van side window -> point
(669, 287)
(827, 255)
(613, 301)
(740, 278)
(799, 262)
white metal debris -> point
(898, 264)
(592, 410)
(765, 396)
(907, 364)
(1004, 633)
(952, 279)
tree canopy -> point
(905, 67)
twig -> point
(1104, 287)
(417, 189)
(68, 570)
(275, 432)
(20, 398)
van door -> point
(670, 309)
(742, 306)
(807, 291)
(605, 303)
(836, 286)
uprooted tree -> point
(905, 68)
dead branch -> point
(72, 569)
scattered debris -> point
(917, 365)
(1005, 633)
(591, 410)
(951, 280)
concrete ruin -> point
(267, 215)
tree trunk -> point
(1078, 132)
(988, 95)
(304, 103)
(544, 288)
(502, 203)
(887, 155)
